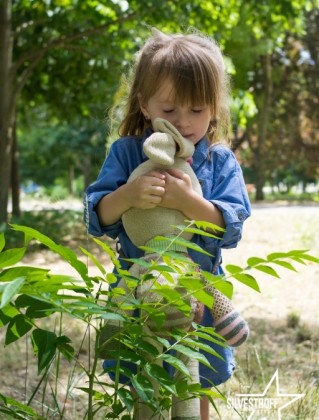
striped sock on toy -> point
(227, 321)
(233, 328)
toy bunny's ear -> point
(185, 147)
(160, 148)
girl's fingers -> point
(176, 173)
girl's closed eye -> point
(168, 111)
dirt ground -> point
(275, 342)
(279, 229)
(272, 228)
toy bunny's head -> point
(166, 145)
(165, 148)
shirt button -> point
(241, 215)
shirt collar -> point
(201, 152)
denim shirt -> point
(221, 180)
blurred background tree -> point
(60, 74)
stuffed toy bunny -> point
(166, 149)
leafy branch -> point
(29, 294)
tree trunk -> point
(15, 178)
(87, 170)
(71, 180)
(7, 107)
(264, 111)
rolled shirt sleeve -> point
(231, 198)
(223, 184)
(123, 157)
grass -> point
(289, 197)
(271, 347)
(63, 226)
(59, 394)
(277, 346)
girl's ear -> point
(142, 104)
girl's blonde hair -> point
(195, 66)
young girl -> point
(180, 78)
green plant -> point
(303, 334)
(31, 295)
(293, 319)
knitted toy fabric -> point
(166, 149)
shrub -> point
(29, 295)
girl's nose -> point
(182, 122)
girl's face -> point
(191, 121)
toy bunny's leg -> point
(188, 409)
(106, 341)
(142, 410)
(227, 321)
(107, 338)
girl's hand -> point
(146, 191)
(180, 195)
(178, 190)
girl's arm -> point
(145, 192)
(198, 208)
(179, 195)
